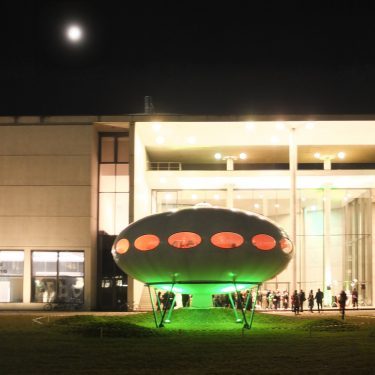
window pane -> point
(107, 179)
(227, 240)
(107, 213)
(184, 240)
(71, 263)
(11, 276)
(11, 263)
(122, 211)
(146, 242)
(122, 178)
(107, 149)
(11, 289)
(44, 263)
(44, 289)
(123, 150)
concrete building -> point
(69, 185)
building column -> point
(327, 267)
(293, 201)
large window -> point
(11, 276)
(57, 276)
(113, 184)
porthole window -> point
(184, 240)
(122, 246)
(146, 242)
(286, 245)
(263, 242)
(227, 240)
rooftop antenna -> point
(149, 107)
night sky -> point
(192, 57)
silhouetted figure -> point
(295, 302)
(310, 300)
(355, 298)
(319, 299)
(302, 299)
(342, 303)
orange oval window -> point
(263, 242)
(227, 240)
(146, 242)
(184, 240)
(122, 246)
(286, 245)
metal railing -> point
(165, 166)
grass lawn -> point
(196, 342)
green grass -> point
(196, 342)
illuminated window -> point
(263, 242)
(11, 276)
(122, 246)
(146, 242)
(286, 245)
(57, 276)
(227, 240)
(184, 240)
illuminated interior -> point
(333, 191)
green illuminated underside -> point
(205, 288)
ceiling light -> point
(218, 156)
(159, 140)
(317, 155)
(194, 196)
(250, 125)
(156, 126)
(310, 125)
(243, 156)
(191, 140)
(341, 155)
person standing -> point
(302, 299)
(355, 298)
(296, 302)
(310, 300)
(342, 303)
(319, 295)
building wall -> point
(47, 189)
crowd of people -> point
(270, 300)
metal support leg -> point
(238, 320)
(153, 308)
(168, 320)
(160, 324)
(246, 324)
(253, 307)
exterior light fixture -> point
(327, 158)
(230, 159)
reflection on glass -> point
(58, 276)
(227, 240)
(184, 240)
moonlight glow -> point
(74, 33)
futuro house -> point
(203, 251)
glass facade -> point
(11, 276)
(113, 217)
(57, 276)
(333, 249)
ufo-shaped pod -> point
(203, 245)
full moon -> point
(74, 33)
